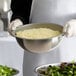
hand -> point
(70, 28)
(14, 24)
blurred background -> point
(11, 54)
(5, 14)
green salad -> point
(7, 71)
(64, 69)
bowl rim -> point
(52, 64)
(14, 32)
(45, 65)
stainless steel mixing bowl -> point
(40, 45)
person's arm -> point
(21, 10)
(20, 13)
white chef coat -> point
(51, 11)
(59, 12)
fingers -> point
(70, 28)
(13, 25)
(16, 24)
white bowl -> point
(42, 69)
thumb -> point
(10, 28)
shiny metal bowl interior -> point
(40, 45)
